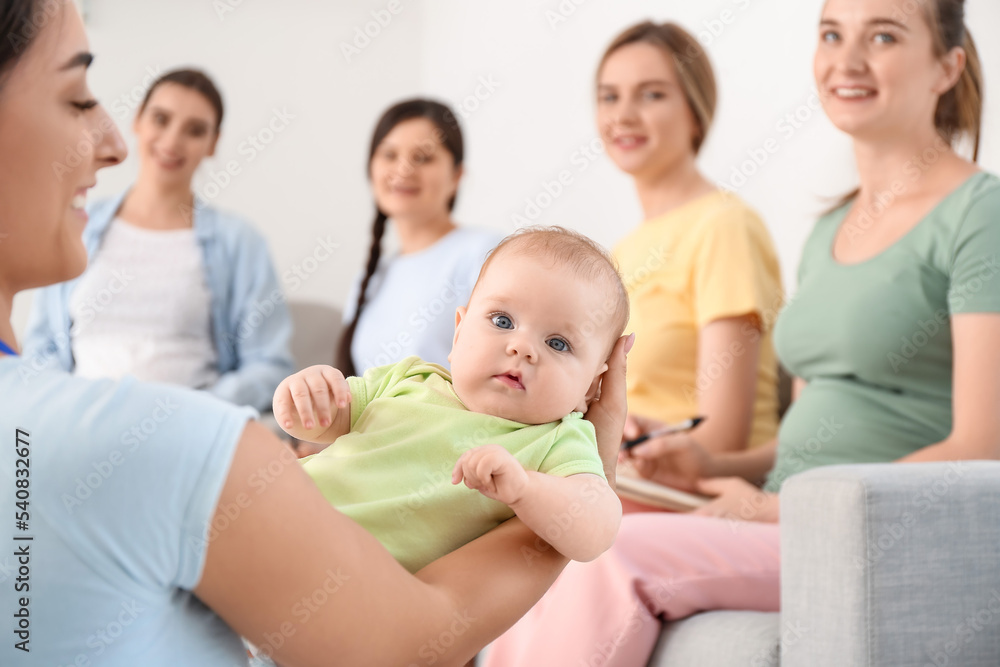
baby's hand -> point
(303, 406)
(493, 471)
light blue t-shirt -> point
(410, 311)
(123, 480)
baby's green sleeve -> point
(573, 450)
(377, 382)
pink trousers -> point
(663, 567)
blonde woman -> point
(701, 270)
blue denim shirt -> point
(251, 326)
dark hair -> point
(449, 134)
(195, 80)
(20, 23)
(694, 70)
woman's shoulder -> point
(725, 211)
(476, 238)
(55, 400)
(979, 194)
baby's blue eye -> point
(502, 321)
(558, 344)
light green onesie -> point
(392, 472)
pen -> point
(685, 425)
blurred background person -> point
(175, 291)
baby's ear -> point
(459, 314)
(594, 388)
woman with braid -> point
(403, 304)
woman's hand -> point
(674, 460)
(607, 412)
(736, 498)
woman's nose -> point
(110, 149)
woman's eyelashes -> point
(86, 105)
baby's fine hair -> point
(580, 255)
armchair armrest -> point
(892, 564)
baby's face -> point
(527, 348)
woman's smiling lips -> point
(511, 380)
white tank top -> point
(143, 308)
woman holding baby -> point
(900, 90)
(202, 527)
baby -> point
(527, 357)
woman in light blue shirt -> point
(175, 291)
(404, 304)
(147, 524)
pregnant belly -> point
(842, 421)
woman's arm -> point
(305, 583)
(726, 384)
(975, 432)
(259, 328)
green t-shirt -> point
(392, 472)
(873, 339)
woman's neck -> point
(673, 187)
(157, 206)
(416, 234)
(906, 168)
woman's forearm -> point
(578, 515)
(752, 465)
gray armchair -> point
(882, 565)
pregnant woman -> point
(873, 279)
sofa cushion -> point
(720, 639)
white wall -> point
(533, 117)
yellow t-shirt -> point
(392, 472)
(705, 260)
